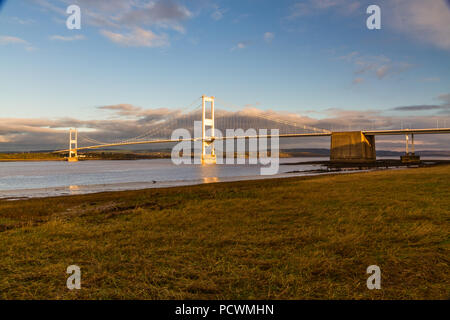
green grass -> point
(295, 238)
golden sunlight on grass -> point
(295, 238)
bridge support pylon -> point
(208, 156)
(352, 146)
(73, 145)
(410, 157)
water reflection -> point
(210, 179)
(74, 189)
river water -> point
(54, 178)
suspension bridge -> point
(356, 146)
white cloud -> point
(4, 40)
(129, 18)
(9, 40)
(131, 111)
(269, 36)
(240, 45)
(137, 38)
(67, 38)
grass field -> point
(295, 238)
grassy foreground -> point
(295, 238)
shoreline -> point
(83, 189)
(79, 190)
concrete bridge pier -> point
(352, 146)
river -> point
(54, 178)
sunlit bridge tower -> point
(208, 152)
(73, 145)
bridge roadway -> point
(293, 135)
(405, 131)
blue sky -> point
(312, 58)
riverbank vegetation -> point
(95, 155)
(116, 155)
(30, 156)
(292, 238)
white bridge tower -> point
(73, 145)
(208, 156)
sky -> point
(136, 61)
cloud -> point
(67, 38)
(358, 80)
(241, 17)
(425, 21)
(421, 108)
(443, 109)
(311, 7)
(22, 21)
(350, 56)
(382, 71)
(164, 13)
(379, 66)
(137, 38)
(431, 79)
(4, 40)
(241, 45)
(125, 21)
(269, 36)
(444, 97)
(130, 121)
(218, 13)
(129, 110)
(9, 40)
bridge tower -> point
(208, 141)
(73, 145)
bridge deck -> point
(293, 135)
(405, 131)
